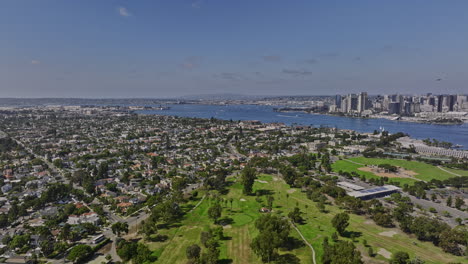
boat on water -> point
(160, 107)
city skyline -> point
(248, 131)
(398, 104)
(153, 49)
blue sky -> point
(170, 48)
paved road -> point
(426, 204)
(51, 166)
(113, 251)
(132, 220)
(112, 217)
(234, 151)
(135, 219)
(192, 187)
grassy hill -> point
(245, 209)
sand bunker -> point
(401, 173)
(388, 233)
(242, 200)
(261, 181)
(385, 253)
(291, 190)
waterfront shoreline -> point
(391, 118)
(455, 134)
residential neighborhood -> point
(85, 175)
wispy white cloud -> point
(35, 62)
(123, 11)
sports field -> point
(245, 209)
(423, 171)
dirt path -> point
(305, 241)
(382, 241)
(453, 173)
(355, 162)
(385, 253)
(195, 207)
(405, 173)
(401, 173)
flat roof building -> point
(350, 186)
(376, 192)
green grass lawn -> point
(317, 225)
(459, 172)
(425, 172)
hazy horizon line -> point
(221, 94)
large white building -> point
(91, 217)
